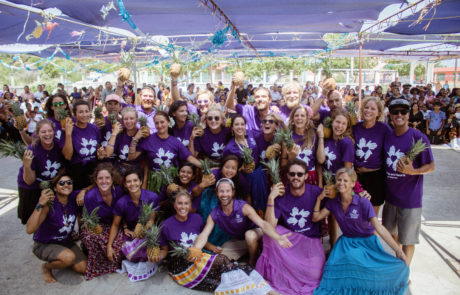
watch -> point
(38, 207)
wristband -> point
(38, 207)
(174, 82)
(111, 145)
(270, 205)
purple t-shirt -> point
(232, 148)
(85, 142)
(129, 212)
(192, 109)
(46, 165)
(163, 152)
(262, 146)
(369, 151)
(121, 148)
(251, 115)
(183, 134)
(284, 112)
(181, 232)
(150, 122)
(355, 222)
(298, 211)
(58, 224)
(404, 190)
(94, 199)
(308, 155)
(236, 224)
(106, 133)
(338, 152)
(212, 145)
(324, 112)
(58, 132)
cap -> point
(399, 102)
(112, 97)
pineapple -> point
(113, 120)
(329, 180)
(351, 111)
(154, 182)
(329, 84)
(327, 127)
(175, 69)
(238, 78)
(248, 160)
(98, 117)
(206, 166)
(62, 114)
(145, 129)
(126, 61)
(144, 217)
(151, 238)
(14, 149)
(415, 150)
(21, 121)
(91, 221)
(195, 119)
(270, 153)
(45, 186)
(286, 136)
(167, 175)
(185, 253)
(162, 108)
(273, 168)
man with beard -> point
(334, 101)
(149, 103)
(292, 93)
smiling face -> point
(182, 205)
(370, 112)
(161, 124)
(297, 176)
(229, 169)
(65, 189)
(262, 99)
(57, 102)
(225, 193)
(300, 118)
(344, 184)
(130, 120)
(83, 114)
(113, 107)
(399, 119)
(203, 101)
(185, 174)
(339, 125)
(147, 99)
(46, 134)
(133, 183)
(269, 125)
(292, 97)
(104, 181)
(239, 127)
(181, 114)
(334, 101)
(214, 124)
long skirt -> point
(259, 189)
(361, 266)
(294, 270)
(28, 199)
(242, 280)
(98, 263)
(136, 264)
(210, 201)
(203, 274)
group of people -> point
(254, 184)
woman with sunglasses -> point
(121, 139)
(239, 220)
(369, 136)
(182, 128)
(51, 223)
(126, 214)
(81, 144)
(212, 142)
(103, 197)
(204, 100)
(41, 162)
(54, 103)
(358, 264)
(270, 124)
(309, 144)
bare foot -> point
(47, 274)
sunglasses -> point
(62, 182)
(210, 118)
(264, 121)
(55, 104)
(293, 174)
(396, 112)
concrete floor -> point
(434, 270)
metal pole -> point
(134, 70)
(455, 74)
(360, 77)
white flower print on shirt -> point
(163, 158)
(106, 138)
(184, 141)
(187, 240)
(217, 150)
(365, 149)
(88, 147)
(298, 217)
(58, 134)
(330, 156)
(51, 169)
(393, 157)
(304, 154)
(66, 229)
(124, 152)
(262, 156)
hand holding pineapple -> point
(405, 164)
(117, 128)
(98, 117)
(101, 154)
(46, 197)
(145, 130)
(174, 70)
(277, 190)
(320, 131)
(68, 125)
(238, 79)
(27, 158)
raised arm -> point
(276, 191)
(39, 215)
(67, 150)
(230, 103)
(175, 71)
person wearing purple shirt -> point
(52, 224)
(147, 108)
(358, 261)
(369, 138)
(103, 197)
(41, 162)
(334, 102)
(113, 106)
(237, 218)
(80, 145)
(404, 183)
(294, 205)
(242, 138)
(292, 93)
(182, 128)
(212, 142)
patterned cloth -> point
(196, 274)
(98, 263)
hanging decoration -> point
(49, 26)
(105, 9)
(430, 7)
(37, 32)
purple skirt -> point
(294, 270)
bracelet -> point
(174, 82)
(270, 205)
(111, 145)
(315, 211)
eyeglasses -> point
(396, 112)
(55, 104)
(293, 174)
(210, 118)
(264, 121)
(62, 182)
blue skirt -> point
(361, 266)
(259, 190)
